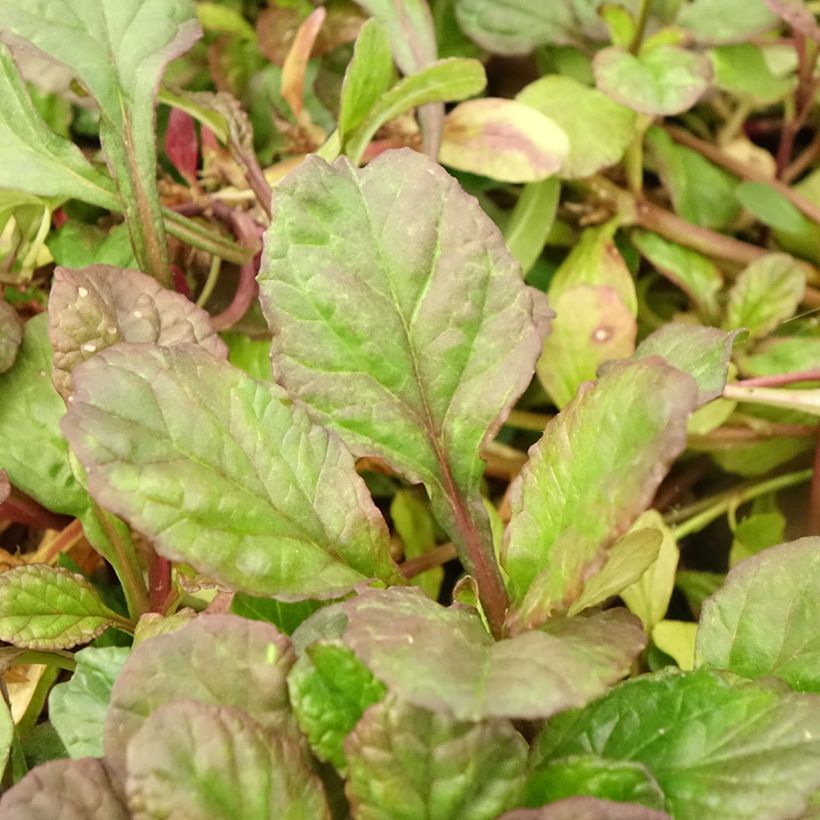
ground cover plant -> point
(409, 409)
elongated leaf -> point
(96, 307)
(32, 450)
(360, 274)
(665, 80)
(6, 735)
(407, 762)
(586, 808)
(296, 61)
(265, 500)
(726, 21)
(552, 543)
(764, 619)
(599, 129)
(530, 222)
(217, 659)
(211, 762)
(44, 607)
(773, 209)
(11, 334)
(65, 790)
(77, 708)
(503, 140)
(717, 748)
(444, 660)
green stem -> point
(210, 282)
(643, 17)
(198, 236)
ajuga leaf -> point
(586, 808)
(11, 334)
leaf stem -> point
(203, 238)
(160, 586)
(22, 509)
(780, 379)
(57, 657)
(643, 17)
(432, 558)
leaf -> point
(772, 208)
(663, 81)
(11, 335)
(781, 355)
(6, 735)
(44, 607)
(220, 660)
(503, 140)
(702, 352)
(181, 145)
(717, 749)
(192, 759)
(586, 808)
(152, 624)
(797, 14)
(285, 616)
(592, 326)
(415, 526)
(444, 660)
(446, 80)
(96, 307)
(526, 231)
(551, 543)
(599, 129)
(35, 159)
(582, 774)
(742, 69)
(755, 533)
(725, 21)
(368, 76)
(329, 691)
(406, 763)
(77, 708)
(65, 790)
(224, 473)
(250, 355)
(223, 19)
(767, 292)
(77, 245)
(295, 65)
(360, 299)
(676, 639)
(763, 620)
(697, 586)
(32, 450)
(697, 276)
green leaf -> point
(224, 20)
(586, 808)
(152, 624)
(96, 307)
(772, 208)
(444, 660)
(359, 277)
(552, 543)
(406, 763)
(676, 639)
(224, 472)
(592, 326)
(6, 735)
(697, 586)
(599, 129)
(369, 74)
(781, 355)
(211, 762)
(32, 450)
(36, 160)
(415, 525)
(503, 140)
(221, 660)
(66, 789)
(766, 293)
(742, 69)
(11, 335)
(286, 616)
(725, 21)
(764, 619)
(77, 708)
(329, 690)
(583, 774)
(77, 245)
(697, 276)
(717, 748)
(755, 533)
(44, 607)
(250, 355)
(665, 80)
(444, 81)
(530, 221)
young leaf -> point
(94, 308)
(502, 140)
(66, 789)
(676, 639)
(329, 690)
(192, 759)
(296, 61)
(444, 660)
(599, 129)
(11, 335)
(406, 763)
(552, 543)
(217, 659)
(44, 607)
(717, 749)
(358, 281)
(764, 619)
(32, 450)
(767, 292)
(224, 472)
(530, 222)
(665, 80)
(77, 708)
(586, 808)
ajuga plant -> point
(337, 482)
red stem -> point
(781, 379)
(160, 588)
(813, 516)
(21, 509)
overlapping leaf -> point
(11, 334)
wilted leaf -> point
(725, 21)
(96, 307)
(717, 748)
(192, 759)
(742, 69)
(11, 334)
(77, 708)
(407, 763)
(44, 607)
(503, 140)
(599, 129)
(224, 472)
(586, 808)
